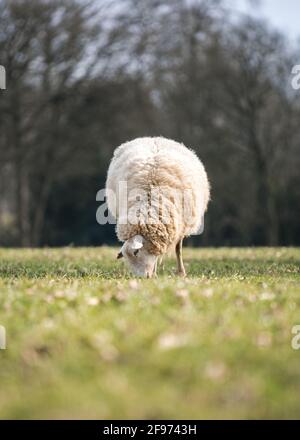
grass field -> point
(84, 340)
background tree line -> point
(85, 76)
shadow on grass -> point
(209, 268)
(231, 267)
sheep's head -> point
(140, 261)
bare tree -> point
(46, 46)
(259, 111)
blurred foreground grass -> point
(85, 340)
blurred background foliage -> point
(85, 76)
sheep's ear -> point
(137, 242)
(121, 254)
(201, 227)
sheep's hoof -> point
(181, 273)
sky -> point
(283, 14)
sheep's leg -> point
(161, 263)
(155, 268)
(180, 266)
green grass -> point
(85, 340)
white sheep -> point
(158, 191)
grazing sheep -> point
(158, 191)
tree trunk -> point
(39, 217)
(266, 198)
(273, 231)
(23, 206)
(21, 175)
